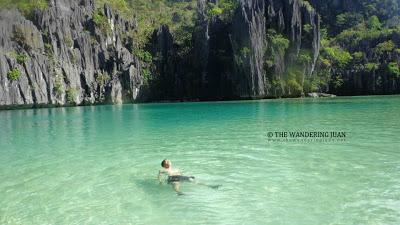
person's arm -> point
(159, 176)
(160, 173)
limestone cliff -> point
(291, 18)
(249, 40)
(62, 57)
(244, 42)
(74, 53)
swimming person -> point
(175, 177)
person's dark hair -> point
(163, 162)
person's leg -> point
(207, 185)
(176, 186)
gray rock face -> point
(201, 40)
(213, 56)
(246, 51)
(68, 59)
(162, 48)
(289, 17)
(248, 41)
(75, 54)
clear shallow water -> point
(97, 165)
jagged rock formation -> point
(74, 54)
(212, 56)
(201, 42)
(249, 41)
(62, 57)
(368, 71)
(246, 49)
(290, 18)
(165, 62)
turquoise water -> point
(98, 165)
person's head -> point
(166, 163)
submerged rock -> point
(318, 95)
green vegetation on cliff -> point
(178, 15)
(362, 46)
(25, 6)
(101, 21)
(14, 74)
(223, 8)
